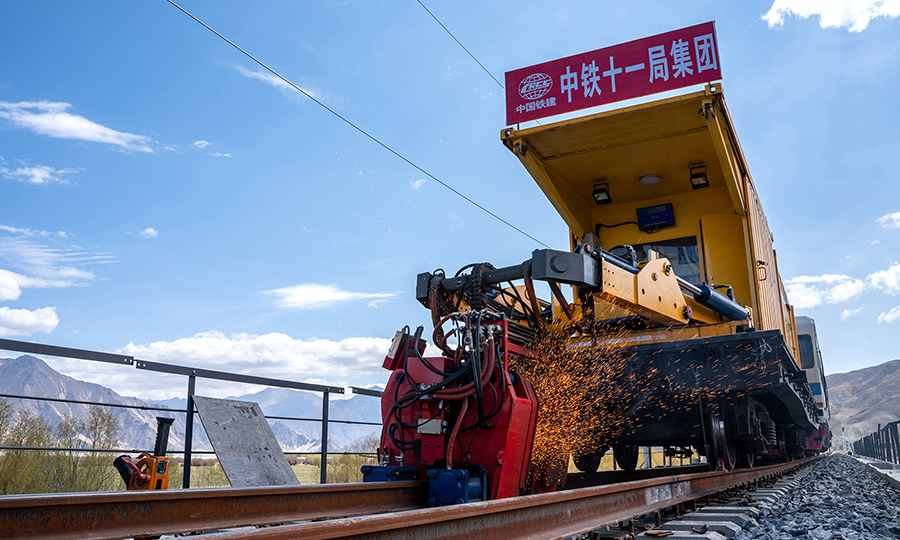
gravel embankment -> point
(840, 498)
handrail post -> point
(323, 471)
(189, 431)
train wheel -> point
(782, 452)
(746, 459)
(730, 453)
(721, 446)
(589, 462)
(626, 457)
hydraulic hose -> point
(455, 432)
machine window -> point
(681, 252)
(807, 359)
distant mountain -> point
(30, 376)
(299, 404)
(864, 398)
(295, 441)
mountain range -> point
(864, 398)
(31, 376)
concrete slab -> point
(746, 510)
(244, 443)
(734, 505)
(734, 517)
(681, 535)
(725, 528)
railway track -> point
(375, 510)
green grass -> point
(307, 474)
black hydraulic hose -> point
(413, 383)
(498, 404)
(427, 364)
(488, 417)
(529, 315)
(402, 403)
(401, 444)
(502, 383)
(476, 371)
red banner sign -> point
(645, 66)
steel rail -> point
(603, 478)
(129, 514)
(555, 515)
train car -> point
(669, 180)
(811, 362)
(676, 331)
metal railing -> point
(192, 374)
(883, 444)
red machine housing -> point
(816, 441)
(462, 410)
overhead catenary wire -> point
(461, 45)
(491, 75)
(357, 128)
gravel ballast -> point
(838, 498)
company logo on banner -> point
(646, 66)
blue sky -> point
(161, 195)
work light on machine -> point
(698, 177)
(601, 194)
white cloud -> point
(890, 221)
(219, 154)
(32, 232)
(22, 322)
(889, 279)
(40, 265)
(149, 232)
(201, 144)
(847, 313)
(418, 183)
(278, 83)
(38, 174)
(51, 119)
(811, 291)
(890, 316)
(272, 355)
(11, 285)
(313, 295)
(852, 14)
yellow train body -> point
(720, 229)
